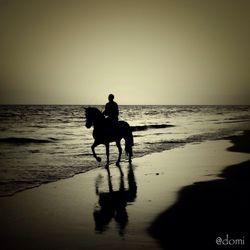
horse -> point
(106, 131)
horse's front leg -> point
(107, 153)
(93, 151)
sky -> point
(144, 52)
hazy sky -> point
(145, 52)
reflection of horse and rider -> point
(109, 129)
(112, 204)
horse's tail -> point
(129, 142)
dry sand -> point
(94, 210)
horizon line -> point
(60, 104)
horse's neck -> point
(99, 121)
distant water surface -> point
(45, 143)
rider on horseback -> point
(104, 132)
(111, 109)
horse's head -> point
(92, 115)
(89, 121)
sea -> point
(46, 143)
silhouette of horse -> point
(112, 204)
(106, 131)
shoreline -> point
(75, 213)
(173, 146)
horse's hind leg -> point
(118, 144)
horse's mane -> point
(94, 111)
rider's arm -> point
(105, 110)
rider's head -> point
(111, 97)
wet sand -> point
(211, 214)
(117, 209)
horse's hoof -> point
(98, 159)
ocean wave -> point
(232, 121)
(153, 112)
(11, 187)
(168, 142)
(20, 140)
(39, 126)
(153, 126)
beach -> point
(86, 85)
(120, 209)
